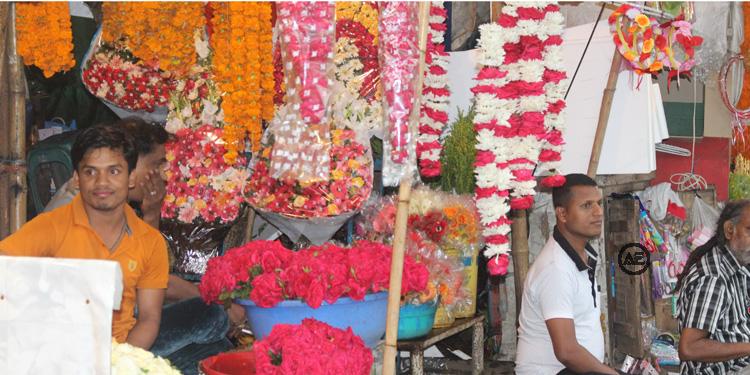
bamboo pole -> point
(4, 121)
(520, 254)
(404, 192)
(248, 235)
(18, 126)
(601, 127)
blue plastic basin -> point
(366, 317)
(416, 320)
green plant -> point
(459, 154)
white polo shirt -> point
(558, 285)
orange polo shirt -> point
(65, 233)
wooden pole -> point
(601, 127)
(520, 254)
(248, 235)
(404, 192)
(4, 122)
(18, 127)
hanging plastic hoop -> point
(739, 114)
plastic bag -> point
(399, 59)
(704, 216)
(301, 146)
(192, 245)
(127, 88)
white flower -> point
(201, 46)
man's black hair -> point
(144, 134)
(561, 194)
(104, 136)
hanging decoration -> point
(399, 59)
(51, 50)
(518, 102)
(435, 94)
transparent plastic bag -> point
(399, 59)
(301, 135)
(704, 216)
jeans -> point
(191, 331)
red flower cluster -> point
(125, 83)
(311, 348)
(267, 273)
(368, 54)
(433, 225)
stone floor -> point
(460, 368)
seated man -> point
(560, 331)
(713, 308)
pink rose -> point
(498, 265)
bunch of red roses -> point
(117, 77)
(311, 348)
(267, 273)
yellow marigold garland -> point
(243, 67)
(44, 36)
(159, 33)
(364, 12)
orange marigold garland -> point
(159, 33)
(51, 50)
(267, 83)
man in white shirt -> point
(560, 331)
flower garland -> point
(359, 22)
(312, 348)
(127, 359)
(307, 34)
(744, 101)
(142, 29)
(267, 80)
(200, 184)
(399, 59)
(511, 104)
(238, 42)
(435, 94)
(51, 50)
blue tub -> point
(366, 317)
(416, 320)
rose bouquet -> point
(194, 102)
(267, 273)
(130, 360)
(312, 348)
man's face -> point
(154, 160)
(103, 179)
(738, 237)
(583, 214)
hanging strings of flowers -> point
(158, 33)
(399, 58)
(267, 82)
(357, 23)
(511, 103)
(241, 70)
(51, 50)
(435, 94)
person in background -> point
(713, 308)
(559, 328)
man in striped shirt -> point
(713, 303)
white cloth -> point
(56, 315)
(555, 288)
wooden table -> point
(417, 347)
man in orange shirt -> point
(99, 224)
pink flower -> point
(553, 181)
(498, 265)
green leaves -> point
(459, 154)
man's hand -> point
(146, 327)
(571, 354)
(154, 190)
(696, 346)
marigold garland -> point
(51, 50)
(365, 13)
(159, 33)
(267, 83)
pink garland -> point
(435, 95)
(399, 59)
(307, 30)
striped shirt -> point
(714, 298)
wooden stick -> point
(248, 235)
(520, 254)
(399, 236)
(601, 127)
(4, 123)
(18, 126)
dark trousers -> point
(191, 331)
(569, 372)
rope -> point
(12, 166)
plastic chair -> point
(50, 166)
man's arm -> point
(696, 346)
(146, 327)
(567, 350)
(179, 289)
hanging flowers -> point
(51, 50)
(435, 95)
(158, 33)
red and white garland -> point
(512, 119)
(435, 94)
